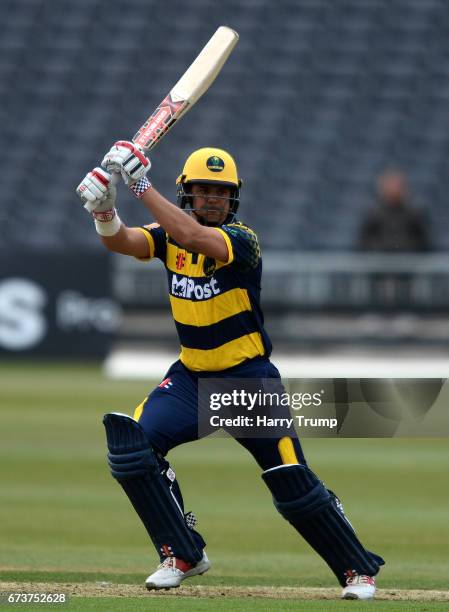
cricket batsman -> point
(214, 267)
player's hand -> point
(128, 159)
(96, 191)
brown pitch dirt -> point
(108, 589)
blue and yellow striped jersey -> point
(215, 305)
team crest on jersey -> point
(209, 266)
(215, 164)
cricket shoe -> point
(359, 587)
(173, 571)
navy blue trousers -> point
(169, 415)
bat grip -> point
(115, 178)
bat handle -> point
(115, 178)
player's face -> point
(211, 202)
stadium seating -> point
(318, 98)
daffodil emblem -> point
(215, 164)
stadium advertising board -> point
(47, 307)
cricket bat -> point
(196, 80)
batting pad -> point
(318, 516)
(134, 465)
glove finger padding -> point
(96, 191)
(128, 159)
(109, 202)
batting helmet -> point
(211, 166)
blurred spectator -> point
(393, 224)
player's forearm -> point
(116, 243)
(127, 241)
(175, 221)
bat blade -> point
(190, 87)
(160, 122)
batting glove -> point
(96, 191)
(128, 159)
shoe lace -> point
(362, 579)
(167, 563)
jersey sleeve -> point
(157, 241)
(243, 246)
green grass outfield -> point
(135, 604)
(64, 520)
